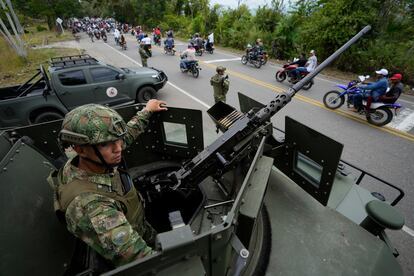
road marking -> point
(189, 95)
(279, 90)
(222, 60)
(168, 82)
(404, 121)
(311, 101)
(409, 231)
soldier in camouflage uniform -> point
(144, 54)
(98, 199)
(220, 84)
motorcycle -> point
(192, 67)
(198, 50)
(250, 57)
(169, 50)
(90, 34)
(210, 48)
(97, 34)
(286, 71)
(380, 113)
(265, 57)
(157, 40)
(103, 35)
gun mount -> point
(222, 154)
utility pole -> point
(15, 41)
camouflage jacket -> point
(220, 84)
(99, 220)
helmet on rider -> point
(91, 124)
(220, 69)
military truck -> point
(72, 81)
(254, 201)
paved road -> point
(386, 152)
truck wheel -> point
(145, 94)
(47, 116)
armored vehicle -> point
(72, 81)
(254, 201)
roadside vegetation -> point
(16, 70)
(287, 28)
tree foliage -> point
(286, 30)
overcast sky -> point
(252, 4)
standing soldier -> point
(220, 84)
(143, 53)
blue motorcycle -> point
(380, 113)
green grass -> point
(15, 70)
(33, 37)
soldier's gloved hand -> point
(155, 106)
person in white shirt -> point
(146, 40)
(309, 66)
(187, 57)
(117, 35)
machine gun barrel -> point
(282, 99)
(238, 127)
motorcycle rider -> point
(210, 41)
(90, 32)
(220, 84)
(187, 57)
(257, 49)
(395, 90)
(117, 35)
(157, 35)
(169, 43)
(170, 33)
(103, 34)
(122, 41)
(198, 41)
(300, 62)
(309, 67)
(372, 91)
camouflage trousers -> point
(144, 62)
(219, 97)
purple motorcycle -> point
(381, 113)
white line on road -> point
(222, 60)
(404, 121)
(189, 95)
(409, 231)
(170, 83)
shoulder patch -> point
(120, 235)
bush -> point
(40, 28)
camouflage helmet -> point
(220, 69)
(91, 124)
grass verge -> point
(16, 70)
